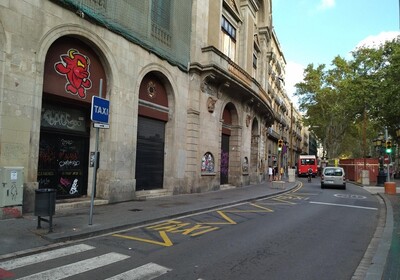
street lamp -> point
(378, 143)
(397, 151)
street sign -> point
(386, 159)
(100, 109)
(101, 125)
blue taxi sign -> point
(100, 109)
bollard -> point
(390, 187)
(278, 185)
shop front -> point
(71, 77)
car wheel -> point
(344, 186)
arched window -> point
(207, 163)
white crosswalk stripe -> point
(76, 268)
(145, 272)
(45, 256)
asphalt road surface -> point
(307, 234)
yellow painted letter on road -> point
(189, 231)
(165, 239)
(168, 226)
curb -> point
(376, 270)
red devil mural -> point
(75, 67)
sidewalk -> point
(20, 236)
(386, 261)
(392, 266)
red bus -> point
(306, 162)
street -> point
(307, 234)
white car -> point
(333, 176)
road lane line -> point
(77, 268)
(148, 271)
(45, 256)
(344, 205)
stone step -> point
(226, 187)
(148, 194)
(78, 203)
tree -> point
(322, 97)
(361, 94)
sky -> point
(316, 31)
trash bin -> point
(45, 205)
(390, 188)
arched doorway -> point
(230, 163)
(255, 137)
(152, 119)
(255, 162)
(71, 77)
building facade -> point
(196, 92)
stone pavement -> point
(386, 261)
(392, 268)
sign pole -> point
(388, 154)
(96, 154)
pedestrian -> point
(282, 170)
(276, 173)
(270, 173)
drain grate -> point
(135, 210)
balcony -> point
(219, 71)
(271, 133)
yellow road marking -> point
(230, 221)
(307, 194)
(198, 229)
(183, 228)
(223, 215)
(297, 188)
(168, 226)
(205, 231)
(265, 208)
(166, 241)
(293, 197)
(284, 201)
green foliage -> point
(362, 93)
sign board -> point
(100, 110)
(101, 125)
(386, 159)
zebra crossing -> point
(148, 271)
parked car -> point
(333, 176)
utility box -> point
(11, 186)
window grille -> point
(162, 27)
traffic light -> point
(280, 145)
(388, 147)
